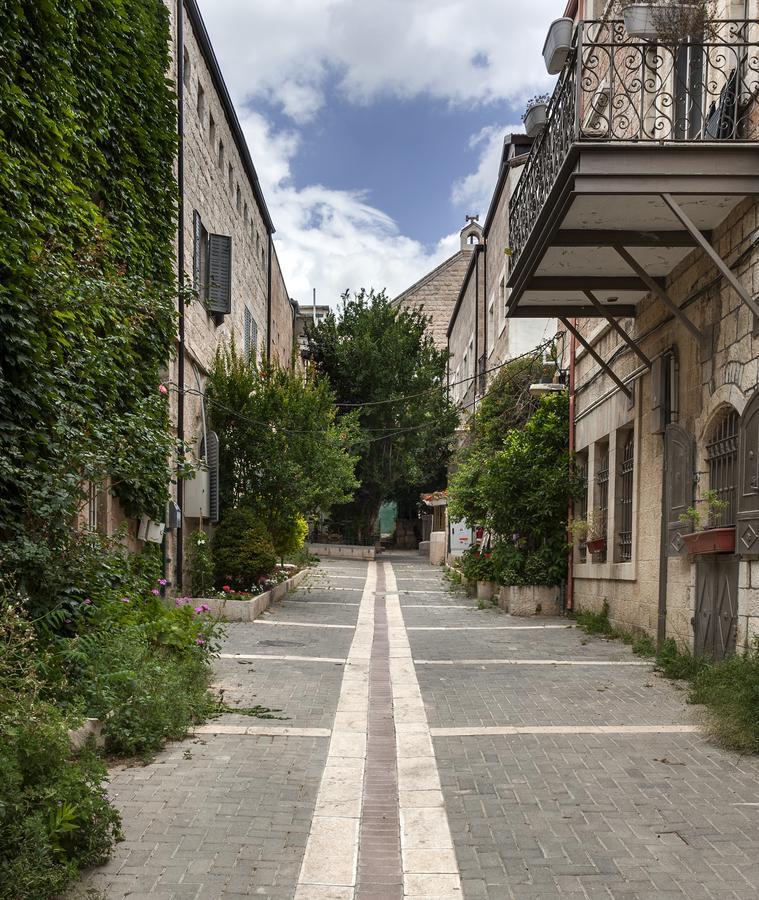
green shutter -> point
(219, 273)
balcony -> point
(647, 148)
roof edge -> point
(478, 248)
(425, 278)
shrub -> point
(289, 537)
(242, 550)
(676, 663)
(55, 818)
(201, 563)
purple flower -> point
(125, 599)
(67, 621)
(182, 601)
(199, 641)
(87, 601)
(163, 582)
(204, 607)
(155, 591)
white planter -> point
(535, 120)
(639, 21)
(558, 44)
(486, 589)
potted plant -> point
(639, 19)
(557, 45)
(534, 117)
(708, 536)
(667, 21)
(591, 531)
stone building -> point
(436, 293)
(225, 251)
(480, 337)
(635, 222)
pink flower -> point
(156, 592)
(125, 599)
(204, 607)
(182, 601)
(87, 601)
(163, 582)
(163, 389)
(227, 588)
(199, 642)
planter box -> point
(596, 546)
(528, 600)
(639, 21)
(535, 120)
(247, 610)
(712, 540)
(486, 590)
(557, 45)
(92, 728)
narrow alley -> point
(421, 747)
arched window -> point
(722, 463)
(473, 239)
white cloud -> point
(291, 55)
(475, 190)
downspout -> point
(661, 618)
(268, 304)
(180, 278)
(570, 599)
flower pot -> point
(486, 589)
(597, 545)
(557, 45)
(639, 21)
(712, 540)
(535, 119)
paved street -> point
(430, 749)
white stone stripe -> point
(272, 730)
(273, 657)
(331, 858)
(483, 627)
(437, 606)
(298, 624)
(529, 662)
(306, 602)
(563, 729)
(427, 852)
(403, 593)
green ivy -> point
(87, 289)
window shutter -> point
(246, 331)
(212, 463)
(197, 233)
(254, 336)
(219, 273)
(680, 477)
(747, 530)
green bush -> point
(730, 691)
(678, 664)
(243, 551)
(289, 537)
(55, 817)
(478, 565)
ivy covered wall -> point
(87, 292)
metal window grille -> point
(602, 504)
(624, 545)
(92, 506)
(582, 504)
(722, 458)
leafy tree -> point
(282, 453)
(382, 363)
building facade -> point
(635, 223)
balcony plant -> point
(534, 117)
(558, 44)
(708, 536)
(667, 21)
(591, 531)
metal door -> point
(716, 614)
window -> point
(220, 158)
(230, 176)
(199, 257)
(212, 268)
(245, 214)
(722, 460)
(212, 130)
(186, 69)
(201, 102)
(625, 449)
(601, 516)
(238, 199)
(250, 335)
(581, 507)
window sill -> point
(608, 571)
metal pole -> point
(180, 277)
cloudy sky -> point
(376, 125)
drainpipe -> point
(268, 303)
(570, 599)
(180, 278)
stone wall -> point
(722, 374)
(465, 341)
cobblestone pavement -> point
(530, 762)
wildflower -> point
(181, 601)
(226, 588)
(199, 642)
(198, 609)
(155, 591)
(163, 389)
(67, 621)
(125, 599)
(163, 582)
(87, 601)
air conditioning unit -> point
(595, 122)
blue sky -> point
(375, 127)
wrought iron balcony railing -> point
(615, 89)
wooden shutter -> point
(212, 463)
(219, 273)
(747, 533)
(680, 477)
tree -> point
(282, 452)
(383, 364)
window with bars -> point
(626, 446)
(581, 508)
(601, 517)
(722, 460)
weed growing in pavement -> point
(598, 623)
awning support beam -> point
(601, 362)
(657, 289)
(712, 254)
(618, 328)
